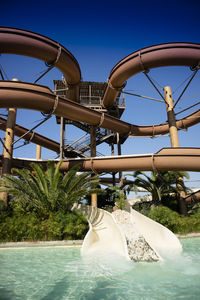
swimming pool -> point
(60, 273)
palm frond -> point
(40, 177)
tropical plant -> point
(174, 221)
(119, 197)
(47, 191)
(160, 184)
(28, 227)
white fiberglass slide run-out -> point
(128, 234)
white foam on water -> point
(99, 264)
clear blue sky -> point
(99, 34)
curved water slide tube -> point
(23, 42)
(170, 54)
(32, 136)
(177, 159)
(17, 41)
(41, 98)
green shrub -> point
(76, 227)
(18, 227)
(28, 227)
(174, 221)
(143, 207)
(164, 216)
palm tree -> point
(160, 184)
(46, 191)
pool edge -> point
(65, 243)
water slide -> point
(31, 136)
(17, 41)
(163, 55)
(27, 43)
(175, 159)
(41, 98)
(128, 234)
(36, 97)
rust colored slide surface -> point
(186, 159)
(23, 42)
(32, 137)
(176, 159)
(37, 97)
(18, 41)
(171, 54)
(41, 98)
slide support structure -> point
(38, 152)
(171, 117)
(94, 201)
(62, 137)
(8, 148)
(175, 143)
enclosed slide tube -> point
(32, 136)
(23, 42)
(163, 55)
(170, 54)
(17, 41)
(41, 98)
(128, 234)
(175, 159)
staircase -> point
(80, 148)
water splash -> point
(100, 265)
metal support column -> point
(119, 153)
(38, 151)
(62, 137)
(8, 149)
(171, 117)
(90, 93)
(174, 142)
(9, 137)
(93, 154)
(113, 153)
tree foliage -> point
(47, 191)
(175, 222)
(40, 203)
(158, 184)
(119, 197)
(59, 225)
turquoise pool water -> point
(57, 273)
